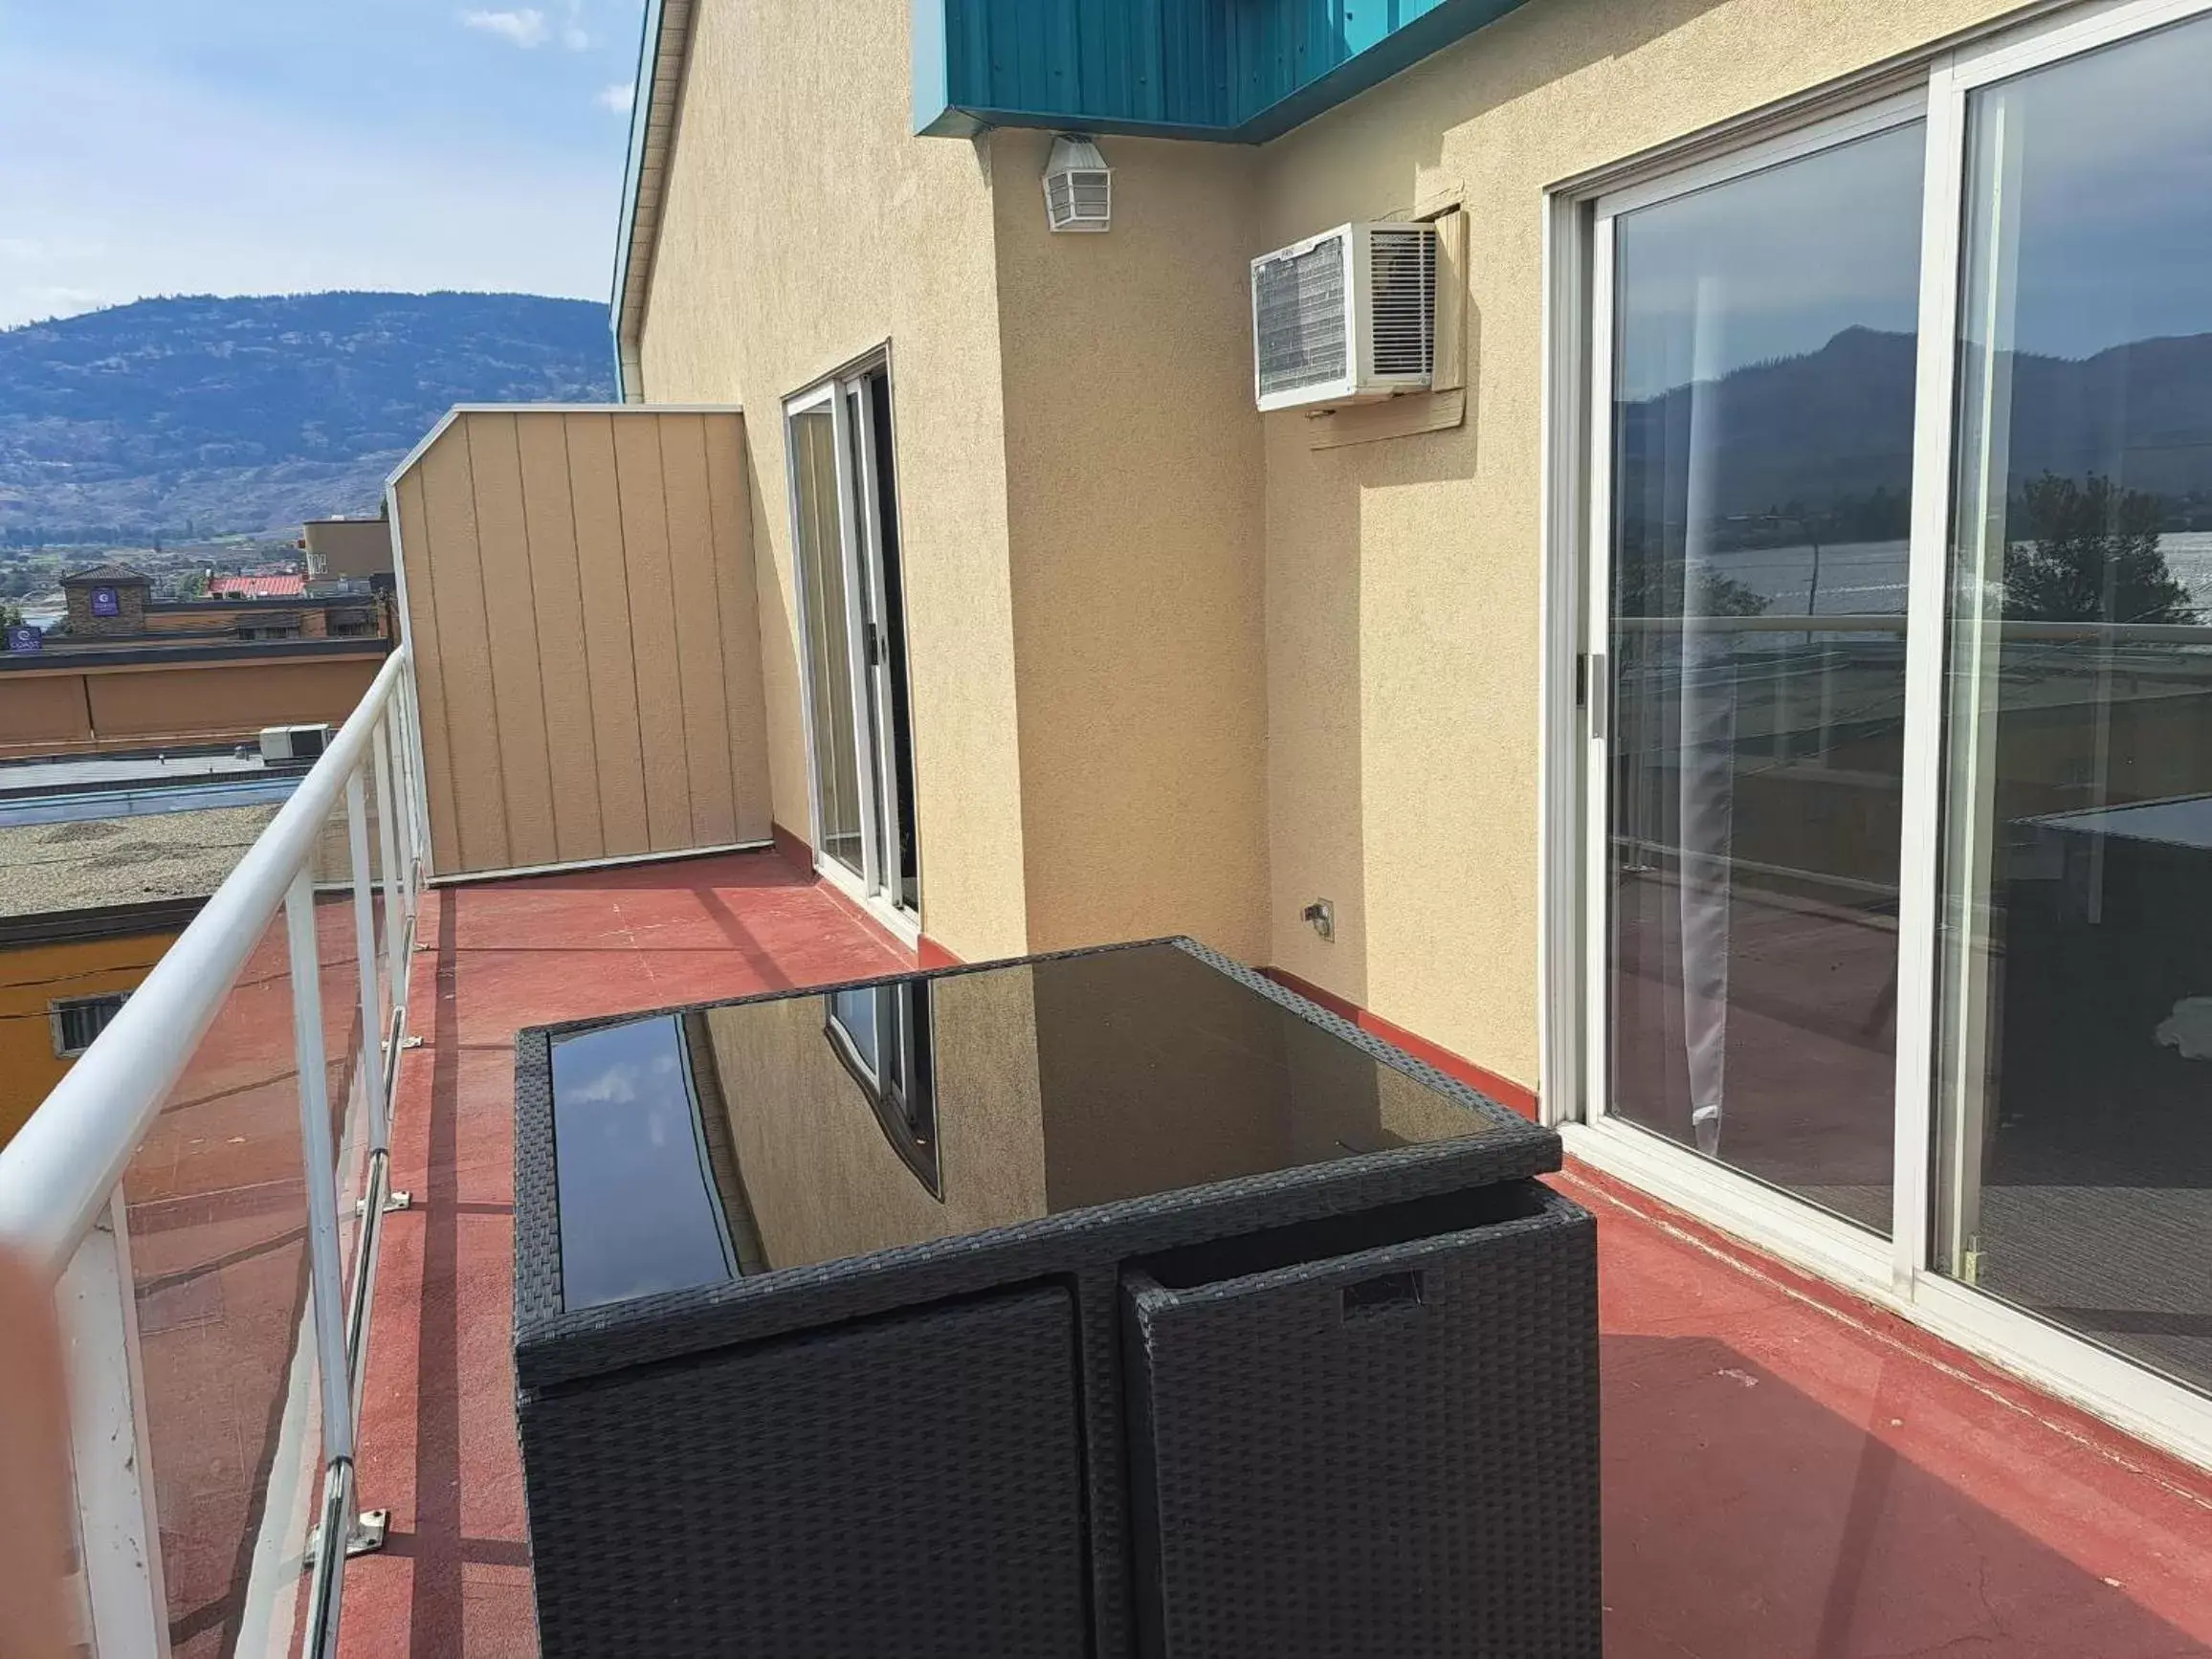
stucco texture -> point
(1175, 669)
(1133, 491)
(1404, 577)
(804, 226)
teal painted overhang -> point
(1235, 71)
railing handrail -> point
(1894, 622)
(56, 1175)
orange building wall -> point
(32, 976)
(90, 708)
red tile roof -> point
(256, 586)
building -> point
(87, 905)
(125, 671)
(1746, 708)
(279, 587)
(346, 549)
(1591, 699)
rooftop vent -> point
(1078, 185)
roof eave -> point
(663, 48)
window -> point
(78, 1020)
(883, 1035)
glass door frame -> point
(845, 396)
(1674, 1171)
(1897, 1272)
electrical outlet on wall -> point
(1321, 916)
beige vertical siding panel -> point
(698, 629)
(422, 624)
(511, 631)
(608, 663)
(471, 738)
(739, 594)
(660, 710)
(550, 520)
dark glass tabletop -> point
(694, 1147)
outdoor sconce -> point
(1078, 185)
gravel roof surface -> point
(102, 861)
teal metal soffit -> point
(1232, 71)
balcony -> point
(270, 1349)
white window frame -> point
(1897, 1272)
(859, 538)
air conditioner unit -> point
(1345, 317)
(285, 743)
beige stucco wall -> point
(580, 599)
(1133, 491)
(1404, 577)
(803, 225)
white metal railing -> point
(61, 1178)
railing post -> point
(119, 1535)
(319, 1156)
(394, 915)
(365, 953)
(409, 781)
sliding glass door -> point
(1894, 694)
(852, 627)
(1758, 393)
(2075, 991)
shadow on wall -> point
(1743, 1520)
(1527, 49)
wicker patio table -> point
(1106, 1303)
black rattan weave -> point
(1004, 1442)
(1418, 1482)
(905, 1486)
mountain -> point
(2140, 412)
(214, 415)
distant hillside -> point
(1850, 404)
(216, 415)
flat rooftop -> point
(93, 863)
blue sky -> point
(257, 146)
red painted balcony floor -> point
(1788, 1475)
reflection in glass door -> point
(852, 603)
(2074, 1055)
(1748, 647)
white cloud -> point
(617, 97)
(525, 27)
(573, 35)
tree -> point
(1646, 586)
(2093, 556)
(11, 614)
